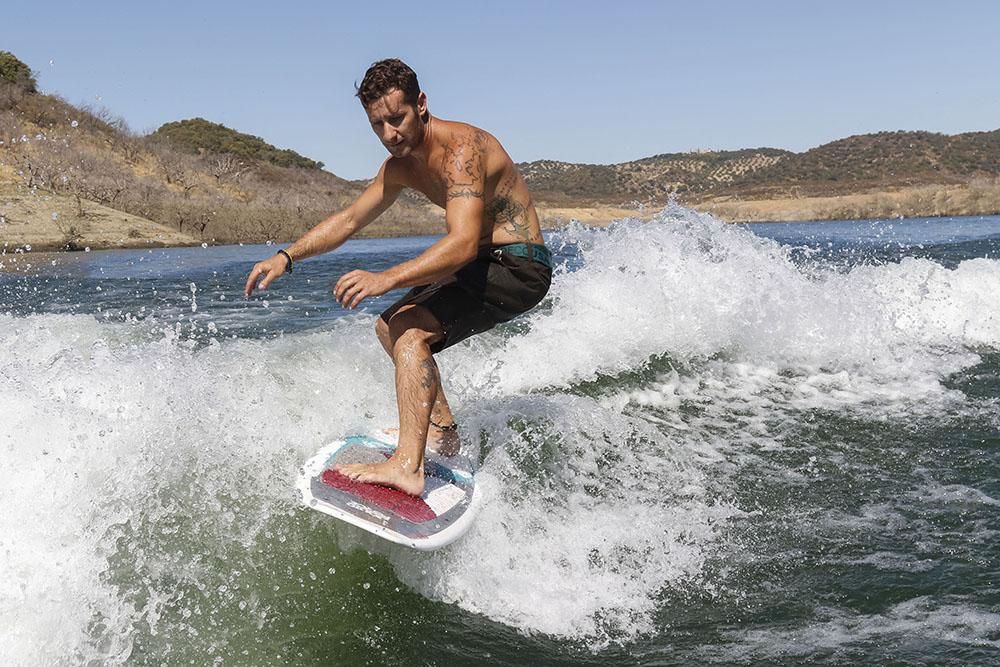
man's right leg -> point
(414, 331)
(439, 441)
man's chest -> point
(435, 184)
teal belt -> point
(532, 251)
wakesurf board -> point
(443, 513)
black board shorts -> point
(495, 287)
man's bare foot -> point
(443, 443)
(392, 472)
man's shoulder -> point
(396, 170)
(457, 131)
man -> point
(491, 266)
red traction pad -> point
(409, 507)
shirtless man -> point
(491, 266)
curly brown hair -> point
(385, 76)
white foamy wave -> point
(126, 443)
(106, 429)
(690, 287)
(589, 517)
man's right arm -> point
(331, 232)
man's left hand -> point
(356, 286)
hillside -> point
(651, 178)
(879, 161)
(49, 221)
(199, 179)
(857, 164)
(194, 180)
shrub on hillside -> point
(199, 135)
(15, 72)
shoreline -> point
(928, 201)
(47, 221)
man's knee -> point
(410, 329)
(413, 340)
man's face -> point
(399, 125)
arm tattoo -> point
(465, 166)
(465, 194)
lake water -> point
(710, 444)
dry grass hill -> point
(194, 180)
(651, 178)
(65, 170)
(886, 174)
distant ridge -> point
(884, 159)
(865, 162)
(653, 177)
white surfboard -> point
(442, 514)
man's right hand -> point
(269, 270)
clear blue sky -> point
(557, 80)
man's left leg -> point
(413, 332)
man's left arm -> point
(465, 174)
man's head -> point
(396, 108)
(385, 76)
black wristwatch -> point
(288, 258)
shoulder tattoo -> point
(465, 166)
